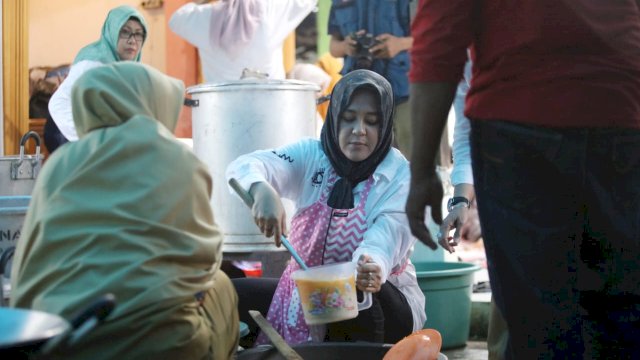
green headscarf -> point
(105, 50)
(124, 210)
(118, 92)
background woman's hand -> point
(268, 211)
(369, 276)
(471, 230)
(467, 224)
(456, 218)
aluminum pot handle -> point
(30, 135)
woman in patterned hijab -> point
(349, 190)
(353, 172)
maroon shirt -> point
(561, 63)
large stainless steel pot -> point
(235, 118)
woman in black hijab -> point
(349, 189)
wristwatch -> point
(457, 200)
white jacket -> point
(293, 170)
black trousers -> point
(53, 138)
(388, 320)
(560, 215)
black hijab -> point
(353, 172)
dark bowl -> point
(320, 351)
(324, 351)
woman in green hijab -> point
(125, 210)
(123, 34)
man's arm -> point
(430, 103)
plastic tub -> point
(447, 287)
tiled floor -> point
(475, 350)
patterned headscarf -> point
(105, 50)
(353, 172)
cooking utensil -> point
(248, 200)
(275, 338)
(20, 328)
(81, 324)
(31, 334)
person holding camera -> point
(375, 35)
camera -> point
(363, 58)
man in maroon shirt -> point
(554, 105)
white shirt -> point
(462, 171)
(262, 53)
(293, 172)
(60, 102)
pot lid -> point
(254, 84)
(20, 327)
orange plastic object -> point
(434, 335)
(413, 347)
(253, 272)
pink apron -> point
(309, 229)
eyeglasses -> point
(126, 35)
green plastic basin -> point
(447, 287)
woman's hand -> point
(369, 277)
(456, 218)
(268, 211)
(467, 224)
(471, 229)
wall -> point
(59, 29)
(1, 95)
(322, 21)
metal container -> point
(235, 118)
(12, 212)
(18, 173)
